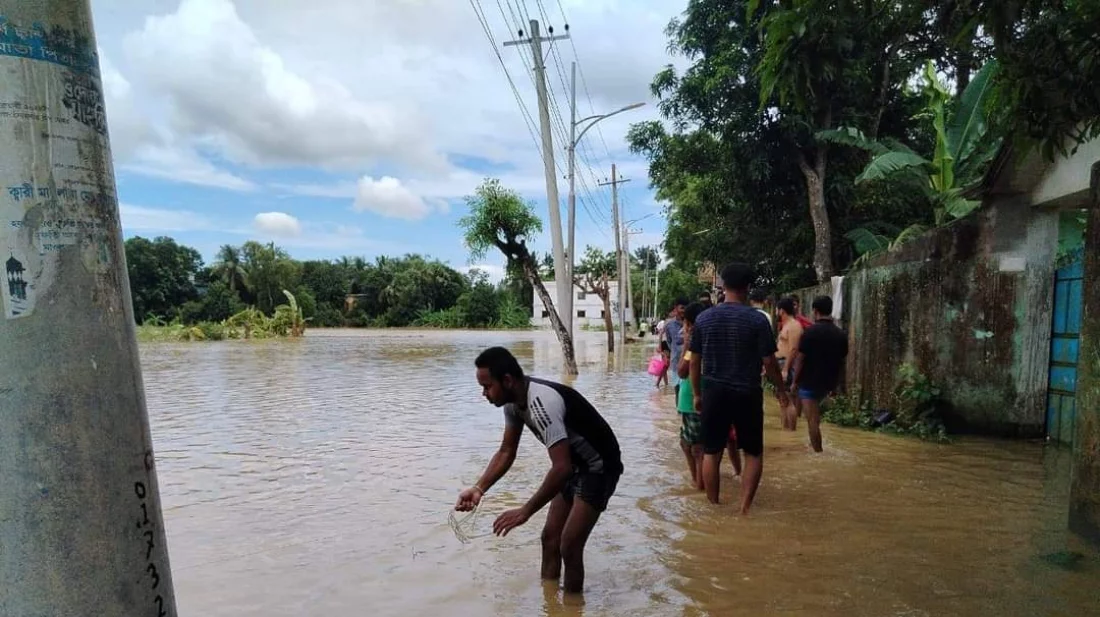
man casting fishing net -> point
(585, 462)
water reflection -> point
(323, 470)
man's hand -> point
(510, 520)
(698, 402)
(468, 499)
(784, 399)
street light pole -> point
(574, 139)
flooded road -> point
(314, 477)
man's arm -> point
(799, 360)
(696, 369)
(771, 365)
(771, 369)
(561, 467)
(503, 459)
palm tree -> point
(229, 267)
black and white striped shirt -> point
(555, 412)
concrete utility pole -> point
(563, 276)
(614, 182)
(81, 529)
(574, 139)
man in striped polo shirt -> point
(729, 345)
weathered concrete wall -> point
(1084, 514)
(970, 305)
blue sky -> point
(343, 127)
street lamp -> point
(574, 139)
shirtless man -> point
(585, 462)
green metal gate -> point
(1065, 336)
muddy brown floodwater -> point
(314, 477)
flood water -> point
(314, 477)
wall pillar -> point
(1084, 511)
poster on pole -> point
(57, 194)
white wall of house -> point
(587, 307)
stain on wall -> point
(969, 304)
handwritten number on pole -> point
(152, 570)
(139, 490)
(160, 606)
(149, 538)
(144, 515)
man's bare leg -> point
(582, 518)
(697, 455)
(735, 457)
(692, 467)
(750, 481)
(551, 538)
(711, 463)
(813, 421)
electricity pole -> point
(562, 275)
(624, 272)
(81, 526)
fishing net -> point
(464, 525)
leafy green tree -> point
(594, 274)
(162, 275)
(961, 156)
(480, 303)
(270, 271)
(647, 258)
(500, 219)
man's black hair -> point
(500, 362)
(738, 276)
(704, 294)
(692, 311)
(787, 305)
(823, 305)
(681, 301)
(758, 295)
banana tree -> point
(962, 150)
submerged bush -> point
(915, 409)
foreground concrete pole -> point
(1084, 511)
(81, 531)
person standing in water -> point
(790, 333)
(585, 461)
(821, 353)
(729, 344)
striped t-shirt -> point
(733, 339)
(555, 412)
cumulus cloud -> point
(388, 197)
(232, 92)
(278, 224)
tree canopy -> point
(747, 154)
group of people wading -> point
(719, 353)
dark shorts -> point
(691, 429)
(594, 489)
(724, 407)
(809, 394)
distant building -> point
(587, 307)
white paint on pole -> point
(81, 529)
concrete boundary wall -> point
(969, 304)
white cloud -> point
(388, 197)
(233, 93)
(138, 218)
(278, 224)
